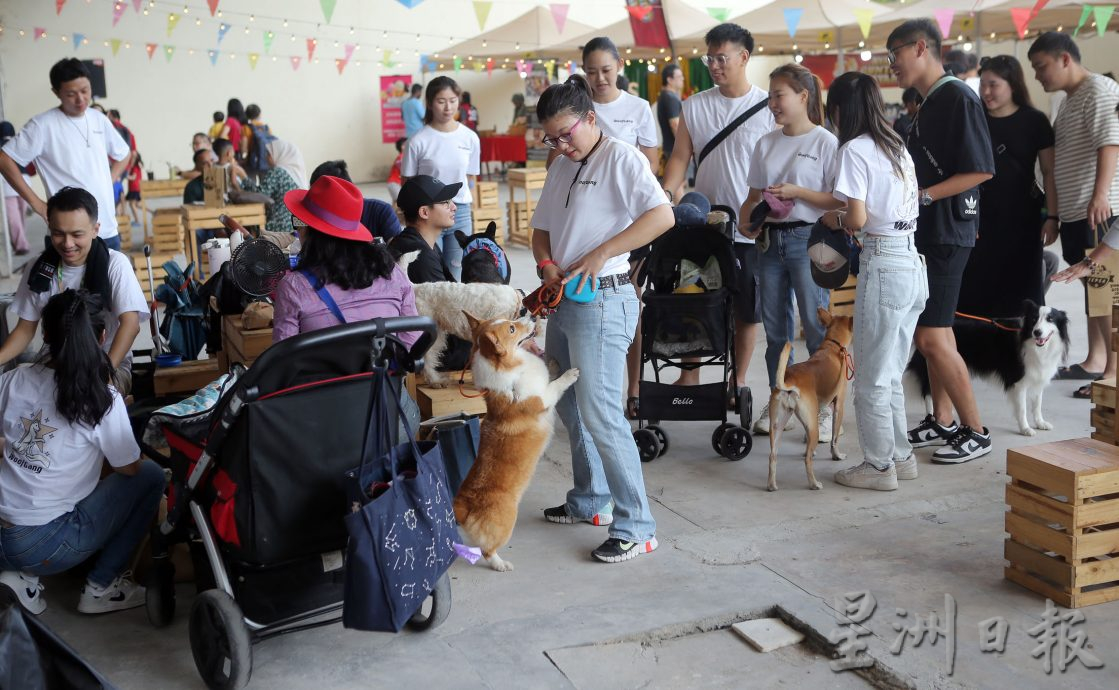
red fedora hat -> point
(332, 206)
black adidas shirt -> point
(949, 136)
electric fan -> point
(257, 267)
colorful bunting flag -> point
(311, 43)
(1103, 16)
(78, 38)
(118, 10)
(1039, 7)
(1021, 17)
(718, 13)
(253, 57)
(792, 19)
(1084, 14)
(489, 67)
(223, 29)
(387, 60)
(137, 5)
(151, 49)
(482, 12)
(295, 60)
(349, 51)
(39, 33)
(559, 16)
(409, 4)
(168, 51)
(114, 43)
(826, 36)
(213, 56)
(865, 18)
(458, 64)
(172, 22)
(268, 36)
(58, 6)
(213, 6)
(340, 64)
(640, 12)
(572, 68)
(944, 20)
(327, 8)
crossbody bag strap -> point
(728, 130)
(321, 291)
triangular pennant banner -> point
(172, 22)
(409, 4)
(311, 43)
(268, 36)
(136, 5)
(482, 12)
(78, 38)
(327, 8)
(114, 43)
(944, 20)
(640, 12)
(718, 13)
(295, 60)
(151, 49)
(340, 64)
(1084, 14)
(386, 59)
(826, 36)
(1021, 17)
(213, 6)
(168, 51)
(39, 33)
(792, 19)
(489, 67)
(1039, 7)
(865, 18)
(253, 57)
(349, 51)
(223, 29)
(58, 6)
(458, 64)
(118, 10)
(559, 15)
(1103, 16)
(213, 56)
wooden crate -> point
(482, 218)
(842, 299)
(124, 226)
(240, 345)
(520, 231)
(188, 377)
(140, 266)
(436, 402)
(1063, 522)
(486, 195)
(1103, 411)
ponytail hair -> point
(855, 107)
(73, 322)
(800, 79)
(573, 96)
(601, 43)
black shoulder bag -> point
(728, 130)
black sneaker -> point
(560, 516)
(618, 550)
(930, 433)
(966, 444)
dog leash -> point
(848, 360)
(462, 377)
(994, 323)
(544, 299)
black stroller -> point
(695, 320)
(257, 490)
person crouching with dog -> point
(600, 201)
(874, 175)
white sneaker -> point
(906, 469)
(121, 594)
(27, 589)
(761, 427)
(867, 476)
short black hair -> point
(1054, 43)
(73, 199)
(219, 116)
(252, 111)
(417, 89)
(67, 69)
(465, 98)
(916, 30)
(200, 152)
(114, 113)
(336, 168)
(668, 72)
(400, 144)
(220, 145)
(912, 95)
(730, 33)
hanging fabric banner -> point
(646, 20)
(349, 51)
(213, 56)
(482, 12)
(559, 14)
(58, 6)
(253, 57)
(311, 43)
(223, 29)
(865, 18)
(719, 14)
(792, 19)
(39, 33)
(172, 22)
(1021, 17)
(118, 10)
(327, 8)
(168, 51)
(78, 38)
(295, 60)
(944, 20)
(114, 43)
(1084, 14)
(213, 6)
(1103, 16)
(268, 36)
(151, 49)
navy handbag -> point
(402, 525)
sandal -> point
(1077, 373)
(632, 403)
(1083, 393)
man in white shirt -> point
(71, 146)
(81, 262)
(721, 176)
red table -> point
(500, 148)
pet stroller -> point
(688, 314)
(258, 492)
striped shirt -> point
(1086, 123)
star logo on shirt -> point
(32, 444)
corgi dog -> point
(520, 398)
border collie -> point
(1023, 353)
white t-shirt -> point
(9, 190)
(447, 156)
(627, 118)
(864, 173)
(973, 84)
(58, 145)
(722, 177)
(49, 464)
(127, 295)
(582, 206)
(807, 160)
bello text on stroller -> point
(682, 401)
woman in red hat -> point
(342, 276)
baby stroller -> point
(688, 313)
(257, 490)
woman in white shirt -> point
(60, 420)
(797, 168)
(874, 176)
(448, 151)
(600, 201)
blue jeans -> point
(452, 250)
(784, 270)
(113, 242)
(893, 287)
(594, 338)
(113, 519)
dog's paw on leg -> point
(1025, 430)
(500, 565)
(816, 485)
(772, 486)
(1043, 425)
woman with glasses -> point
(600, 201)
(447, 150)
(1005, 267)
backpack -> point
(257, 159)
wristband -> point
(670, 195)
(541, 264)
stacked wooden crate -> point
(842, 299)
(520, 212)
(487, 209)
(1103, 396)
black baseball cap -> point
(830, 254)
(424, 190)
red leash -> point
(994, 323)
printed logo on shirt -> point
(592, 183)
(969, 203)
(808, 156)
(30, 451)
(622, 122)
(465, 147)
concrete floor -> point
(729, 550)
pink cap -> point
(778, 209)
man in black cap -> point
(428, 210)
